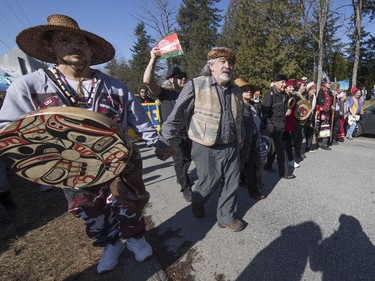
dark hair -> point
(280, 77)
(253, 88)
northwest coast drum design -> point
(303, 110)
(65, 147)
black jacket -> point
(274, 107)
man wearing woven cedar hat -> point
(211, 108)
(109, 215)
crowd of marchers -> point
(215, 120)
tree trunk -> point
(357, 6)
(323, 14)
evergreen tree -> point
(332, 49)
(229, 34)
(140, 57)
(198, 21)
(366, 58)
(369, 47)
(358, 37)
(367, 68)
(369, 9)
(268, 37)
(118, 69)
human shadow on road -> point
(270, 179)
(174, 239)
(347, 254)
(286, 257)
(150, 169)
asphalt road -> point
(318, 226)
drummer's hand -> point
(164, 153)
(288, 112)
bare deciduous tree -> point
(322, 19)
(320, 8)
(159, 15)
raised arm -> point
(148, 76)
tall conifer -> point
(141, 55)
(198, 21)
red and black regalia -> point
(323, 110)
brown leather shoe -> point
(235, 225)
(198, 211)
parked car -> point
(366, 125)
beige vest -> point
(206, 118)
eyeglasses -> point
(142, 91)
(180, 77)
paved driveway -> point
(319, 226)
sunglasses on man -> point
(180, 77)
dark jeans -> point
(288, 138)
(277, 137)
(310, 138)
(182, 161)
(324, 142)
(298, 138)
(254, 181)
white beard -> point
(224, 78)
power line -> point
(10, 23)
(14, 13)
(6, 31)
(19, 6)
(5, 44)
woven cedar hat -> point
(241, 83)
(32, 40)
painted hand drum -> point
(65, 147)
(303, 110)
